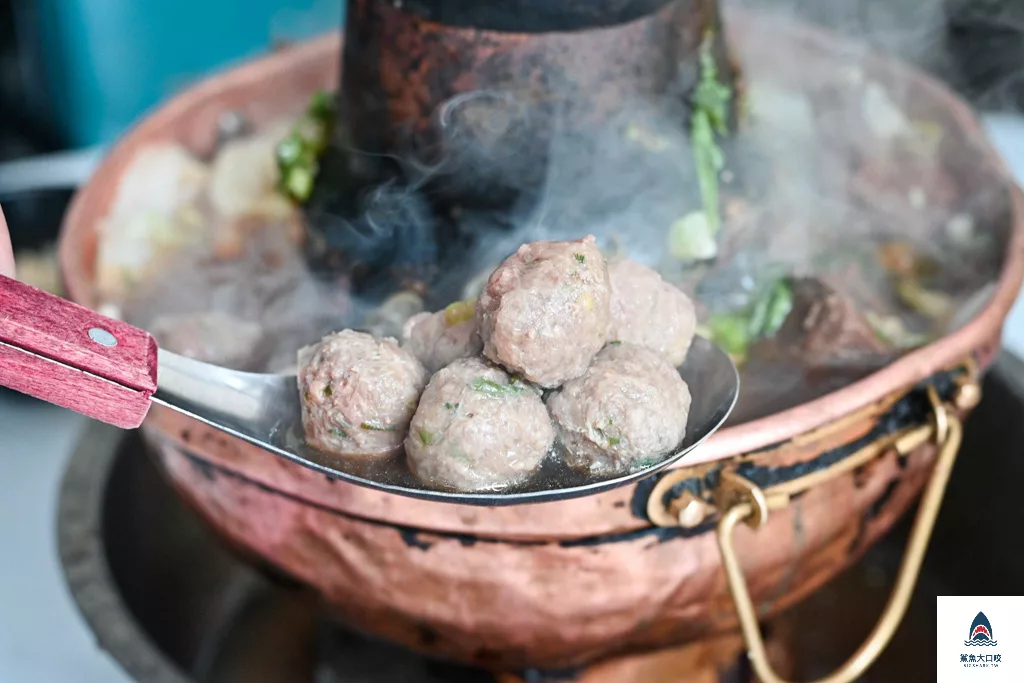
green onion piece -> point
(731, 332)
(339, 432)
(426, 438)
(377, 427)
(708, 159)
(610, 440)
(691, 238)
(770, 311)
(299, 182)
(486, 386)
(459, 312)
(580, 257)
(710, 112)
(322, 107)
(451, 406)
(328, 391)
(289, 151)
(711, 96)
(299, 153)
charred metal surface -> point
(424, 540)
(913, 409)
(551, 676)
(479, 106)
(869, 515)
(413, 540)
(879, 505)
(532, 16)
(454, 109)
(365, 221)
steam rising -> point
(834, 156)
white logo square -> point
(980, 638)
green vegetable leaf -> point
(289, 150)
(708, 159)
(322, 107)
(328, 391)
(337, 431)
(691, 238)
(298, 154)
(603, 432)
(299, 181)
(736, 331)
(495, 389)
(580, 257)
(710, 113)
(451, 406)
(459, 312)
(426, 438)
(711, 96)
(731, 332)
(770, 310)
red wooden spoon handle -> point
(65, 354)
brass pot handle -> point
(752, 507)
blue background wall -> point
(106, 62)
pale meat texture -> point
(478, 429)
(437, 339)
(358, 393)
(212, 337)
(650, 312)
(628, 411)
(544, 313)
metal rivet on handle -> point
(102, 337)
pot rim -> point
(908, 369)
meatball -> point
(628, 411)
(650, 312)
(358, 393)
(545, 310)
(212, 337)
(439, 338)
(477, 429)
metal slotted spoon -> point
(68, 355)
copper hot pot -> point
(562, 584)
